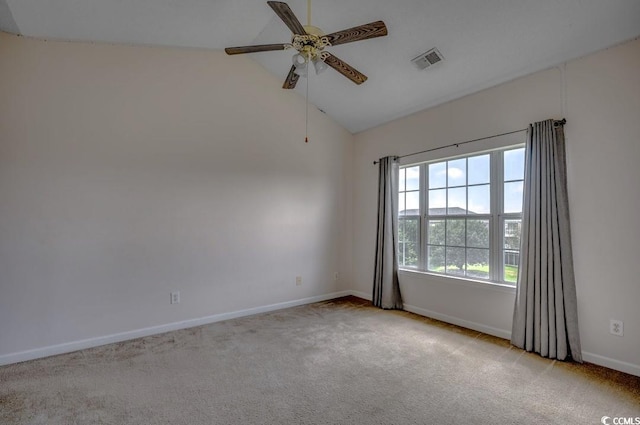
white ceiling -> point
(484, 42)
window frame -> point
(496, 217)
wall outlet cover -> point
(616, 327)
(175, 297)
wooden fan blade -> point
(286, 14)
(362, 32)
(292, 79)
(345, 69)
(253, 49)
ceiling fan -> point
(310, 43)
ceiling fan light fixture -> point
(319, 65)
(300, 63)
(299, 60)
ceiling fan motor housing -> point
(310, 29)
(310, 45)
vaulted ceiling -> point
(483, 42)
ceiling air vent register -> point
(427, 59)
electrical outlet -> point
(175, 297)
(335, 276)
(298, 280)
(616, 327)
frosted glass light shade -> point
(319, 65)
(300, 62)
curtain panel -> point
(386, 288)
(545, 318)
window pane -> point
(511, 253)
(437, 175)
(437, 202)
(455, 232)
(408, 237)
(413, 178)
(413, 203)
(513, 197)
(401, 180)
(402, 234)
(511, 263)
(455, 262)
(457, 172)
(457, 201)
(479, 169)
(401, 238)
(401, 206)
(435, 259)
(512, 229)
(410, 230)
(514, 164)
(400, 253)
(479, 199)
(478, 263)
(436, 232)
(478, 233)
(411, 254)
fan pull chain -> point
(306, 112)
(306, 98)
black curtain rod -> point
(555, 124)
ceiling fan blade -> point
(345, 69)
(292, 79)
(256, 48)
(362, 32)
(286, 14)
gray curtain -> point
(386, 289)
(545, 319)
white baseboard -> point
(362, 295)
(446, 318)
(599, 360)
(500, 333)
(69, 347)
(630, 368)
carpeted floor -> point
(335, 362)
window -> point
(462, 216)
(409, 216)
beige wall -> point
(130, 172)
(603, 111)
(600, 97)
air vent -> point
(427, 59)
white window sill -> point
(465, 281)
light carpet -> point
(336, 362)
